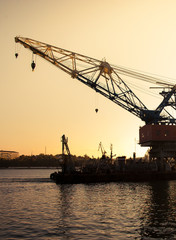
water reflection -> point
(43, 210)
(100, 211)
(159, 217)
(117, 211)
(139, 211)
(71, 215)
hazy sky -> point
(38, 107)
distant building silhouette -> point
(8, 154)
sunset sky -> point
(38, 107)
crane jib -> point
(104, 79)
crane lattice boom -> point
(103, 78)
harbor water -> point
(34, 207)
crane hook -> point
(33, 65)
(96, 110)
(16, 55)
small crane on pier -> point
(68, 165)
(159, 131)
(103, 152)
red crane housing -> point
(150, 134)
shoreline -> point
(28, 168)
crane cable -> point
(144, 77)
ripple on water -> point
(34, 207)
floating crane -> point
(159, 131)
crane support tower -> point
(159, 131)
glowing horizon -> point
(38, 107)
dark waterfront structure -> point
(108, 170)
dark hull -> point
(61, 178)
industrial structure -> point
(68, 164)
(8, 154)
(159, 131)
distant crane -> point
(103, 152)
(68, 165)
(64, 141)
(111, 152)
(159, 133)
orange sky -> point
(38, 107)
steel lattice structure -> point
(105, 79)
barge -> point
(105, 169)
(126, 176)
